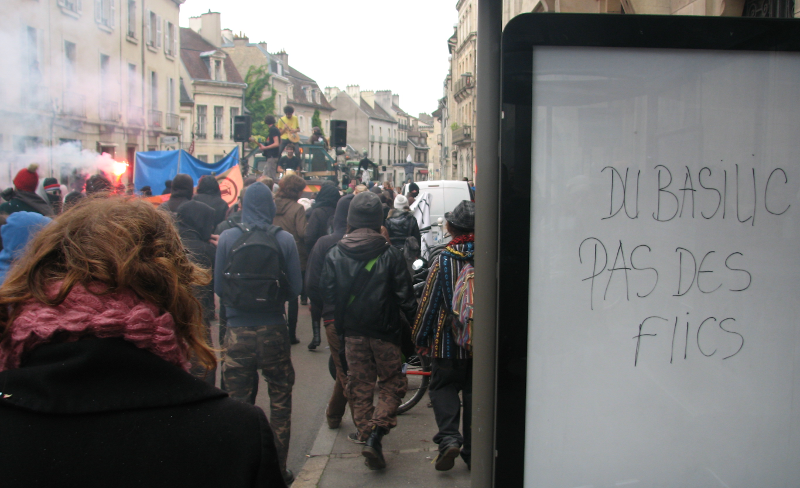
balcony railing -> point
(402, 143)
(136, 116)
(462, 134)
(154, 118)
(402, 126)
(461, 86)
(109, 111)
(371, 138)
(74, 105)
(173, 121)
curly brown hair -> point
(291, 187)
(123, 243)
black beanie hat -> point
(366, 211)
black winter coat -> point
(102, 412)
(320, 223)
(400, 226)
(375, 311)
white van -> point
(445, 195)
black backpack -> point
(254, 278)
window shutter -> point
(175, 33)
(159, 34)
(80, 6)
(149, 34)
(166, 36)
(40, 49)
(98, 11)
(112, 21)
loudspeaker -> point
(338, 133)
(242, 128)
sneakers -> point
(447, 458)
(353, 437)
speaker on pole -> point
(338, 133)
(242, 128)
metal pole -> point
(487, 150)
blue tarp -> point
(153, 168)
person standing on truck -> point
(289, 126)
(272, 151)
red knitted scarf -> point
(120, 314)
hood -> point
(182, 187)
(208, 185)
(20, 227)
(198, 217)
(328, 196)
(363, 244)
(35, 202)
(258, 207)
(340, 217)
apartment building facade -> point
(100, 75)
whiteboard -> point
(664, 320)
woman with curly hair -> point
(98, 325)
(291, 217)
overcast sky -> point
(379, 45)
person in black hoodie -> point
(320, 215)
(208, 193)
(338, 402)
(195, 225)
(367, 280)
(182, 190)
(25, 199)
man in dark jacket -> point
(195, 225)
(368, 282)
(401, 223)
(25, 199)
(316, 260)
(208, 193)
(182, 191)
(260, 339)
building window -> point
(153, 90)
(290, 92)
(105, 82)
(32, 55)
(218, 70)
(70, 63)
(70, 5)
(218, 122)
(133, 86)
(171, 39)
(153, 29)
(234, 113)
(218, 157)
(171, 95)
(202, 121)
(203, 157)
(104, 12)
(132, 19)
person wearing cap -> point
(182, 190)
(412, 193)
(368, 283)
(401, 223)
(53, 191)
(24, 198)
(451, 365)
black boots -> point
(373, 452)
(293, 334)
(316, 341)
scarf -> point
(83, 313)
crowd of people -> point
(106, 308)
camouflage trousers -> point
(248, 349)
(368, 360)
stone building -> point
(214, 87)
(96, 75)
(371, 130)
(725, 8)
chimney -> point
(263, 45)
(396, 100)
(355, 92)
(284, 58)
(211, 28)
(241, 41)
(369, 97)
(384, 99)
(195, 23)
(331, 92)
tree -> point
(317, 122)
(257, 80)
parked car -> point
(444, 196)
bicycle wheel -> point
(418, 369)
